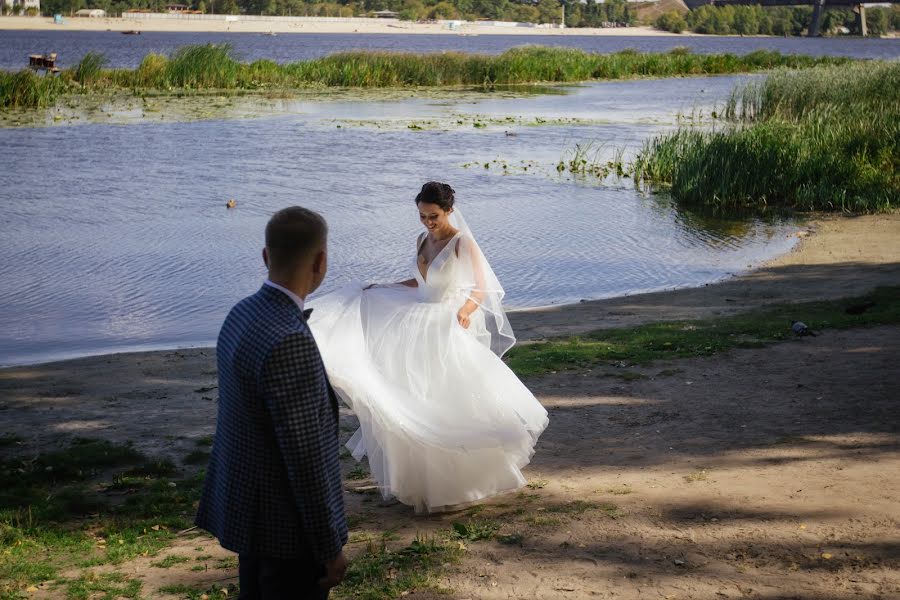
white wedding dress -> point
(443, 420)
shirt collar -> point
(297, 299)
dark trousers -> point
(265, 578)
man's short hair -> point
(294, 234)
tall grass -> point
(792, 96)
(26, 89)
(211, 66)
(90, 68)
(823, 139)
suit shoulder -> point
(293, 342)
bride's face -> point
(433, 217)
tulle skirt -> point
(443, 420)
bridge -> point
(819, 7)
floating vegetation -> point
(587, 159)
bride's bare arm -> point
(477, 295)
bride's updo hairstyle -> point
(438, 193)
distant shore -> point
(239, 24)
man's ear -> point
(319, 262)
(265, 255)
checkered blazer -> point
(273, 485)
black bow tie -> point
(306, 313)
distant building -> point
(22, 6)
(177, 8)
(385, 14)
(93, 13)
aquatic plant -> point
(208, 66)
(213, 66)
(592, 159)
(90, 68)
(27, 89)
(823, 139)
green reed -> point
(852, 88)
(214, 67)
(27, 89)
(823, 139)
(89, 69)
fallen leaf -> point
(826, 555)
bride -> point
(443, 420)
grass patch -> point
(474, 531)
(214, 67)
(541, 521)
(103, 586)
(537, 484)
(204, 442)
(196, 457)
(511, 539)
(83, 459)
(684, 339)
(188, 592)
(57, 513)
(358, 472)
(152, 468)
(576, 507)
(170, 561)
(823, 139)
(701, 475)
(229, 562)
(380, 572)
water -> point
(116, 237)
(128, 50)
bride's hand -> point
(463, 317)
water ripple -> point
(134, 248)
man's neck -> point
(297, 287)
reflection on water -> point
(117, 236)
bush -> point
(672, 22)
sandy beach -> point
(755, 473)
(301, 25)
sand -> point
(757, 473)
(298, 25)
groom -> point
(273, 489)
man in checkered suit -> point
(273, 489)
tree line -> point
(780, 20)
(725, 20)
(527, 11)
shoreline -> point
(836, 257)
(308, 25)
